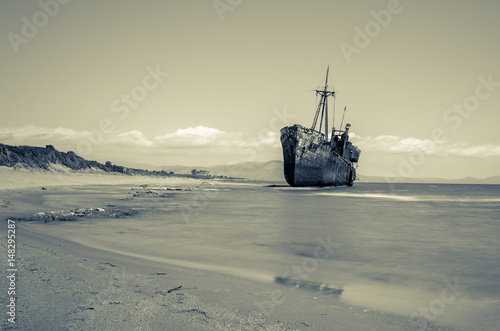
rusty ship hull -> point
(313, 158)
(309, 160)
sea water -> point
(397, 247)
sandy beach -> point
(63, 283)
(250, 165)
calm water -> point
(399, 244)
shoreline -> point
(15, 179)
(66, 285)
(94, 286)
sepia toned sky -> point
(202, 83)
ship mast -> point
(323, 106)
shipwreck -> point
(312, 157)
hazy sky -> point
(212, 82)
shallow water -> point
(390, 247)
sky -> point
(212, 82)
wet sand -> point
(64, 285)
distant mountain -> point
(492, 180)
(273, 171)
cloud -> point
(400, 145)
(34, 135)
(197, 136)
(199, 131)
(192, 137)
(204, 144)
(394, 144)
(131, 138)
(478, 151)
(203, 137)
(199, 144)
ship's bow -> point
(289, 143)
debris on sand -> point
(174, 289)
(151, 194)
(309, 285)
(78, 214)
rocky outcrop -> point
(49, 158)
(43, 158)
